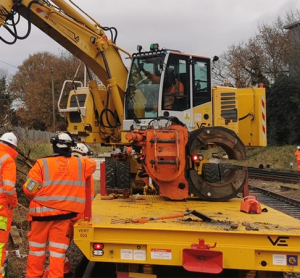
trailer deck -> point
(130, 231)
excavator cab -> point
(164, 83)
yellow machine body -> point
(268, 242)
(242, 110)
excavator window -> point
(202, 87)
(75, 116)
(81, 99)
(143, 87)
(176, 84)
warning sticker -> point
(279, 259)
(126, 254)
(187, 116)
(139, 255)
(161, 254)
(198, 117)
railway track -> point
(277, 201)
(274, 175)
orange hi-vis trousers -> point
(5, 224)
(56, 233)
(67, 269)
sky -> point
(203, 27)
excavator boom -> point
(76, 33)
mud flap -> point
(199, 258)
(205, 261)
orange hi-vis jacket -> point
(56, 185)
(297, 153)
(8, 195)
(177, 90)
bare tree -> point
(31, 88)
(263, 58)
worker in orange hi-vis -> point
(83, 151)
(297, 153)
(55, 187)
(176, 90)
(8, 195)
(128, 150)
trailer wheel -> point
(123, 176)
(110, 174)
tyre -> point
(110, 174)
(211, 172)
(123, 177)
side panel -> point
(252, 115)
(242, 110)
(225, 108)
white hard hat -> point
(10, 138)
(298, 147)
(62, 140)
(81, 149)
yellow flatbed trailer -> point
(152, 231)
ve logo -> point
(279, 241)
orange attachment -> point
(134, 136)
(250, 204)
(199, 258)
(163, 158)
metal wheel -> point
(219, 181)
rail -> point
(274, 175)
(277, 201)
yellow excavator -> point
(173, 133)
(185, 144)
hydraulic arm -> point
(84, 38)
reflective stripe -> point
(60, 198)
(63, 182)
(8, 182)
(37, 253)
(46, 169)
(79, 168)
(41, 209)
(48, 181)
(3, 158)
(5, 182)
(36, 244)
(58, 245)
(57, 255)
(11, 192)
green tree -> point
(7, 114)
(283, 111)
